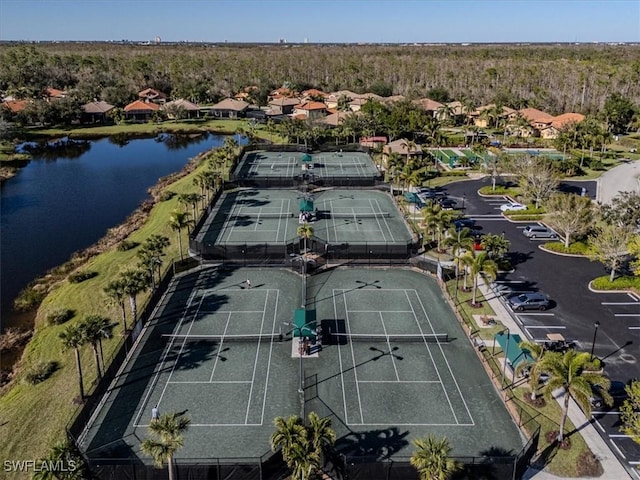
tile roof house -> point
(335, 118)
(152, 95)
(402, 146)
(558, 123)
(55, 93)
(284, 104)
(140, 111)
(479, 120)
(190, 109)
(245, 92)
(428, 105)
(393, 99)
(537, 118)
(334, 97)
(95, 112)
(227, 108)
(356, 104)
(15, 106)
(313, 93)
(310, 110)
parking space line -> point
(599, 425)
(633, 296)
(604, 413)
(626, 314)
(619, 451)
(634, 328)
(619, 303)
(619, 435)
(537, 314)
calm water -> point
(65, 200)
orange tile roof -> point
(299, 116)
(55, 93)
(151, 93)
(315, 92)
(311, 106)
(535, 115)
(428, 104)
(16, 106)
(140, 105)
(567, 118)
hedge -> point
(620, 283)
(575, 248)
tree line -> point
(557, 78)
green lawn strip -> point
(563, 463)
(37, 415)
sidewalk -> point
(610, 463)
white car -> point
(512, 206)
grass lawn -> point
(33, 417)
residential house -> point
(282, 92)
(95, 112)
(334, 98)
(552, 130)
(282, 105)
(245, 93)
(403, 147)
(15, 106)
(480, 118)
(430, 106)
(393, 99)
(140, 111)
(152, 95)
(310, 110)
(335, 118)
(313, 94)
(373, 142)
(228, 108)
(189, 109)
(356, 104)
(53, 93)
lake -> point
(67, 197)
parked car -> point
(447, 203)
(512, 206)
(528, 301)
(461, 223)
(616, 390)
(538, 231)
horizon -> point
(403, 22)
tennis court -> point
(323, 165)
(394, 365)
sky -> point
(322, 21)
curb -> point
(561, 254)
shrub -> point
(79, 277)
(500, 190)
(620, 283)
(59, 316)
(29, 298)
(575, 248)
(40, 372)
(125, 245)
(453, 173)
(166, 195)
(529, 211)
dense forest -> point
(554, 78)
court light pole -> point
(595, 333)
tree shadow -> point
(375, 445)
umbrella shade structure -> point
(304, 323)
(306, 205)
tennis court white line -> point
(393, 359)
(415, 317)
(464, 402)
(203, 381)
(333, 219)
(215, 362)
(184, 342)
(255, 362)
(384, 236)
(159, 366)
(412, 424)
(393, 237)
(266, 380)
(231, 312)
(353, 356)
(222, 425)
(380, 311)
(344, 397)
(399, 381)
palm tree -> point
(178, 221)
(460, 241)
(72, 338)
(289, 435)
(532, 367)
(93, 329)
(150, 255)
(134, 281)
(190, 199)
(496, 246)
(570, 372)
(321, 435)
(115, 291)
(431, 459)
(167, 439)
(305, 231)
(481, 265)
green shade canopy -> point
(510, 344)
(306, 205)
(304, 323)
(306, 157)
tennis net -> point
(359, 215)
(240, 215)
(260, 337)
(415, 338)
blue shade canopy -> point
(304, 323)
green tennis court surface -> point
(380, 392)
(251, 216)
(261, 164)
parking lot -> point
(575, 309)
